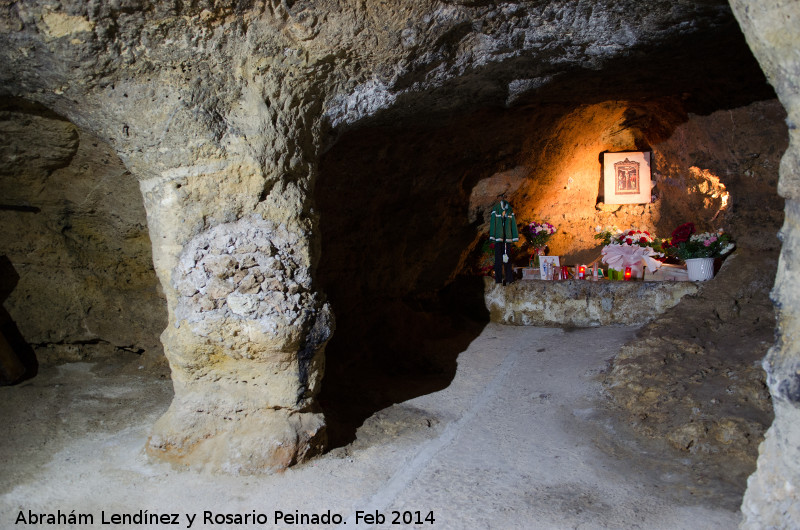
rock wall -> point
(692, 376)
(214, 109)
(772, 499)
(76, 234)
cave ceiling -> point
(371, 60)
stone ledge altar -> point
(581, 303)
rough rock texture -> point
(772, 499)
(242, 304)
(213, 108)
(692, 376)
(74, 230)
(222, 110)
(582, 303)
(730, 154)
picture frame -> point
(626, 177)
(550, 262)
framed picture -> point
(626, 177)
(546, 264)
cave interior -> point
(403, 198)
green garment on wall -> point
(500, 221)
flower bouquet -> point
(607, 233)
(612, 235)
(538, 234)
(628, 249)
(685, 244)
(698, 250)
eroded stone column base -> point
(235, 438)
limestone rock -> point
(772, 498)
(582, 303)
(212, 265)
(692, 376)
(75, 231)
(262, 440)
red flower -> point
(646, 232)
(629, 241)
(491, 246)
(643, 240)
(682, 233)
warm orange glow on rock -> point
(716, 197)
(566, 178)
(696, 165)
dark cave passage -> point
(17, 359)
(394, 235)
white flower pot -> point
(700, 269)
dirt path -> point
(520, 439)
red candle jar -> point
(627, 274)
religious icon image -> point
(626, 177)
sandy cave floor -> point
(522, 438)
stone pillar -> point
(216, 113)
(233, 246)
(245, 342)
(772, 499)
